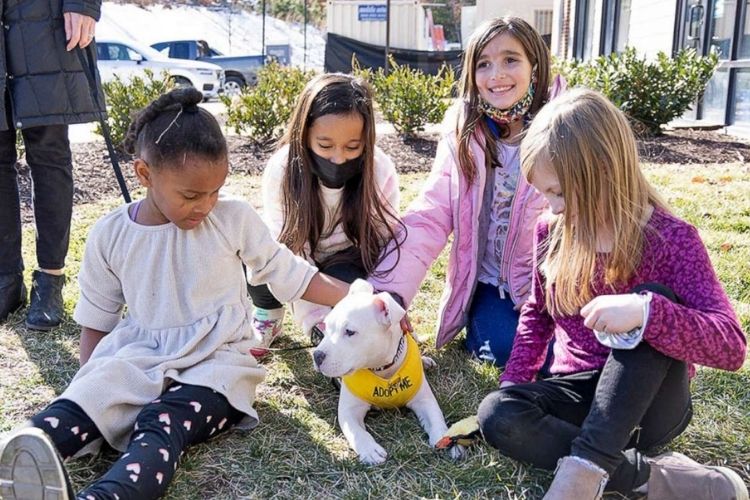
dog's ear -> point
(389, 311)
(360, 286)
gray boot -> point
(675, 476)
(577, 479)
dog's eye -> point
(349, 333)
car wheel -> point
(181, 81)
(233, 86)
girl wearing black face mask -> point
(329, 194)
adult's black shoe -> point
(46, 310)
(12, 294)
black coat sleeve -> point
(91, 8)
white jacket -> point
(307, 314)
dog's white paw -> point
(374, 455)
(428, 362)
(457, 452)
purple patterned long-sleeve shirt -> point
(703, 331)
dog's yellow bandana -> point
(394, 392)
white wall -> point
(524, 9)
(487, 9)
(468, 22)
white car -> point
(127, 59)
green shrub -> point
(125, 98)
(651, 93)
(264, 110)
(408, 98)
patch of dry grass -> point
(298, 451)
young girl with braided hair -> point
(175, 369)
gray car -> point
(240, 71)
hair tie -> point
(174, 120)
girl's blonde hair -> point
(368, 221)
(471, 122)
(587, 142)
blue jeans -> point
(492, 325)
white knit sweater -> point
(188, 315)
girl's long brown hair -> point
(588, 144)
(470, 120)
(368, 220)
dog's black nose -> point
(319, 357)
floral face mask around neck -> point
(520, 110)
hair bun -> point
(187, 96)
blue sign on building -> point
(372, 12)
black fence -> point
(340, 49)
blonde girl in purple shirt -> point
(628, 293)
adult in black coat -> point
(44, 89)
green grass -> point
(298, 451)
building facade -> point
(538, 13)
(585, 29)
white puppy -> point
(379, 366)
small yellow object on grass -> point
(464, 432)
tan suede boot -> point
(675, 476)
(577, 479)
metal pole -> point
(387, 33)
(263, 31)
(304, 58)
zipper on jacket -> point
(511, 242)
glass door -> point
(693, 37)
(694, 28)
(708, 26)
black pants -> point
(184, 415)
(345, 267)
(50, 160)
(638, 401)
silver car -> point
(128, 58)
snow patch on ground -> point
(231, 31)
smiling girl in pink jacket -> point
(475, 192)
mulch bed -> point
(95, 179)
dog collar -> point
(399, 350)
(395, 391)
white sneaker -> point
(31, 469)
(268, 325)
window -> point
(744, 41)
(543, 21)
(180, 50)
(742, 98)
(722, 26)
(118, 52)
(102, 52)
(622, 24)
(615, 26)
(583, 38)
(715, 97)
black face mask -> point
(333, 175)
